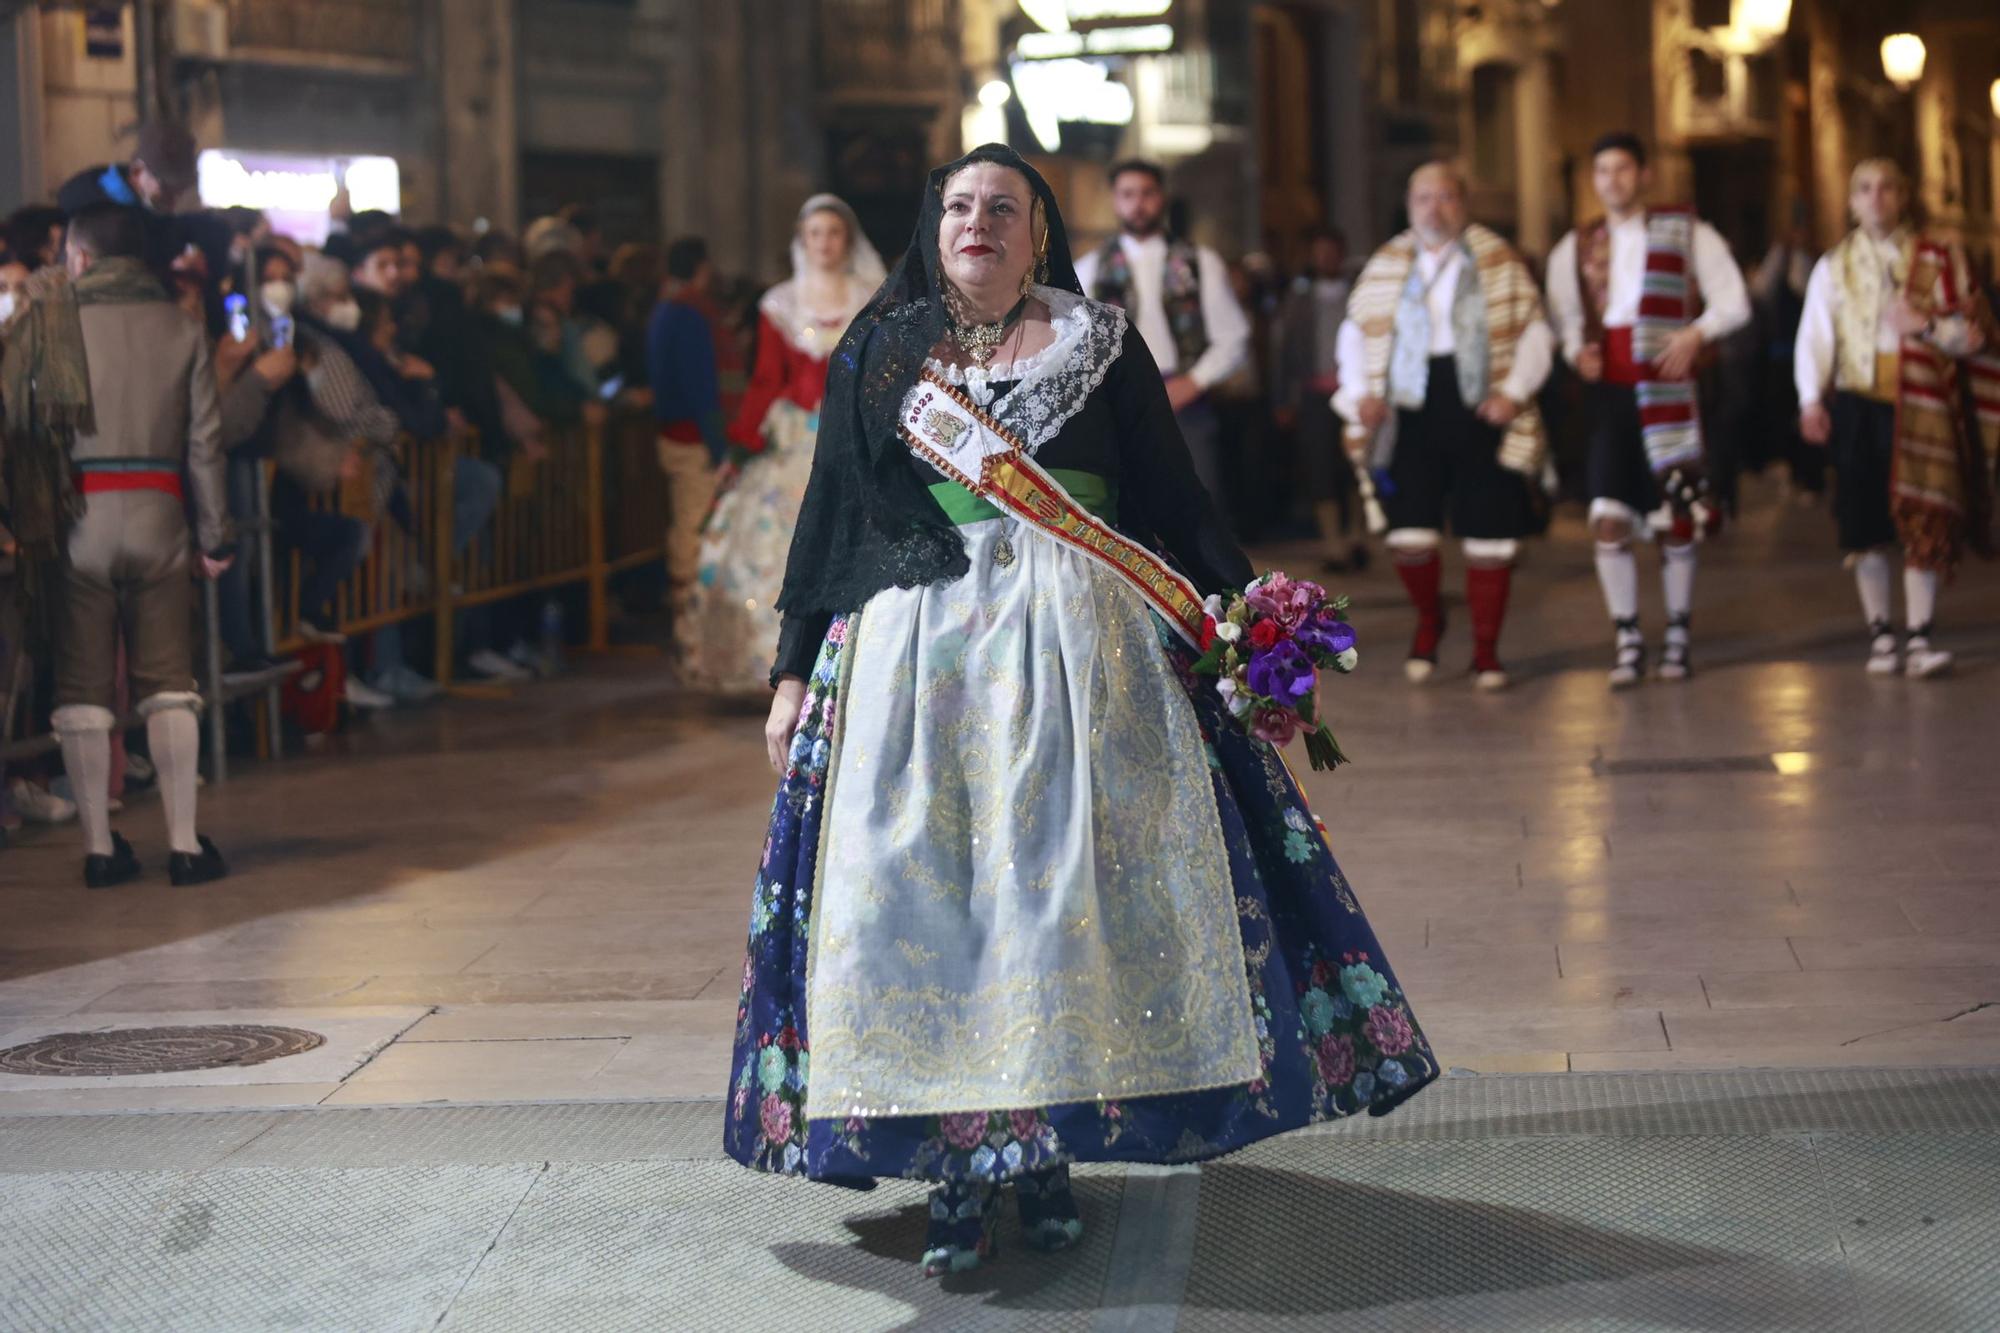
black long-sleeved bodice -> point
(1125, 432)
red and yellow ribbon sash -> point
(947, 430)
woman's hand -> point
(787, 706)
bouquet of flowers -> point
(1266, 647)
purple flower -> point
(1284, 601)
(1283, 673)
(777, 1119)
(1335, 1057)
(1327, 633)
(964, 1131)
(1389, 1030)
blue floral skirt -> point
(1335, 1034)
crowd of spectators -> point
(333, 362)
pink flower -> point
(1335, 1057)
(1389, 1030)
(742, 1100)
(1023, 1123)
(777, 1119)
(1284, 601)
(855, 1124)
(964, 1131)
(1275, 725)
(837, 632)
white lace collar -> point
(781, 305)
(1052, 385)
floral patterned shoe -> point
(960, 1237)
(1049, 1220)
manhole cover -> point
(155, 1050)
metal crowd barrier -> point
(595, 507)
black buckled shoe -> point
(188, 868)
(108, 872)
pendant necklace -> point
(979, 342)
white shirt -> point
(1534, 350)
(1813, 355)
(1227, 327)
(1725, 300)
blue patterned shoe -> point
(1049, 1220)
(960, 1237)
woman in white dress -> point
(834, 272)
(1029, 896)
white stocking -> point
(1871, 577)
(1919, 597)
(175, 738)
(85, 733)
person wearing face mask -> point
(1062, 908)
(1890, 314)
(1441, 354)
(119, 431)
(742, 560)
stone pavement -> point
(1783, 864)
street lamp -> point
(995, 93)
(1994, 94)
(1903, 59)
(1764, 20)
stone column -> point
(477, 61)
(1829, 129)
(1534, 133)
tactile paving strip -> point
(1520, 1233)
(1848, 1199)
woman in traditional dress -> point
(1030, 896)
(834, 272)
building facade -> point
(1274, 118)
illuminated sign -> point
(296, 192)
(1058, 15)
(1053, 92)
(1142, 39)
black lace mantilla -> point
(868, 521)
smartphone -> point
(281, 331)
(611, 388)
(237, 307)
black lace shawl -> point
(868, 521)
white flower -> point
(1346, 660)
(1226, 687)
(1212, 604)
(1228, 632)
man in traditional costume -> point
(1177, 294)
(1441, 355)
(1889, 314)
(111, 404)
(1029, 895)
(1636, 296)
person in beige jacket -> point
(154, 430)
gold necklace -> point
(980, 341)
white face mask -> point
(277, 297)
(509, 315)
(8, 301)
(345, 316)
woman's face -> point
(824, 236)
(984, 242)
